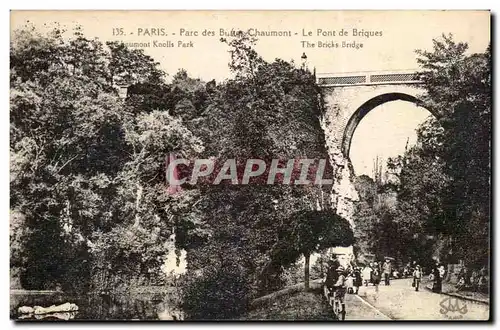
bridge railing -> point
(368, 78)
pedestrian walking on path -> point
(417, 277)
(376, 276)
(387, 268)
(367, 274)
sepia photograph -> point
(250, 165)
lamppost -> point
(304, 61)
(122, 90)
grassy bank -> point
(291, 304)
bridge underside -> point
(363, 110)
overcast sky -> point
(391, 125)
(402, 33)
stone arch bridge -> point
(347, 98)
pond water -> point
(157, 306)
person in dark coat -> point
(376, 276)
(331, 273)
(436, 278)
(357, 279)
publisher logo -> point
(453, 308)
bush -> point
(221, 294)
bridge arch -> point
(348, 98)
(364, 109)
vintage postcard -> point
(250, 165)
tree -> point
(266, 111)
(132, 66)
(87, 169)
(314, 231)
(443, 182)
(459, 91)
(61, 111)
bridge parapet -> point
(368, 78)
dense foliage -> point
(268, 110)
(443, 183)
(85, 165)
(91, 209)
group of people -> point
(436, 276)
(438, 273)
(473, 280)
(374, 272)
(353, 276)
(335, 282)
(467, 279)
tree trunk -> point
(306, 271)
